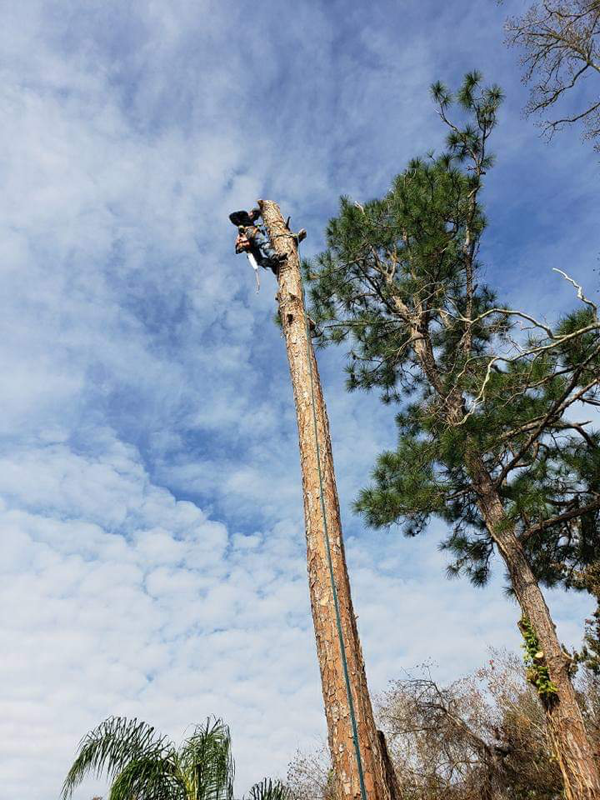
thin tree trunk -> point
(565, 721)
(333, 679)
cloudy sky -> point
(152, 541)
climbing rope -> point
(327, 541)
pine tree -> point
(589, 656)
(485, 440)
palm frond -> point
(205, 760)
(150, 778)
(268, 789)
(110, 748)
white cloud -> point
(157, 622)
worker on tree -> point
(253, 241)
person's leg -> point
(257, 254)
(271, 262)
(271, 259)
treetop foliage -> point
(400, 284)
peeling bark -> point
(293, 318)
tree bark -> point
(565, 721)
(333, 679)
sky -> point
(152, 554)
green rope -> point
(361, 778)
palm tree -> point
(268, 789)
(143, 765)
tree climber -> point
(253, 241)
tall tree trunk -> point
(331, 663)
(565, 722)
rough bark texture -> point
(390, 773)
(565, 721)
(322, 603)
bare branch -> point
(559, 43)
(580, 294)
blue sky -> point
(152, 539)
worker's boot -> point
(276, 261)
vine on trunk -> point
(535, 662)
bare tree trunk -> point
(331, 662)
(565, 721)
